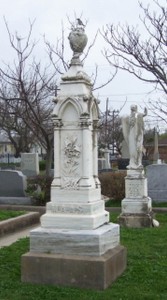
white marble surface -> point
(84, 195)
(136, 187)
(75, 242)
(80, 208)
(74, 221)
(136, 206)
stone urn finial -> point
(78, 40)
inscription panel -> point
(134, 189)
(76, 209)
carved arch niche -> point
(70, 111)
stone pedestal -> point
(75, 245)
(136, 206)
(90, 272)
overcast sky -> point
(49, 15)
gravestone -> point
(136, 207)
(157, 184)
(101, 164)
(76, 244)
(30, 164)
(12, 187)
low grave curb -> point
(18, 223)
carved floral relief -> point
(72, 155)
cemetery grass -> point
(144, 277)
(7, 214)
(117, 203)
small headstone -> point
(101, 163)
(12, 183)
(30, 164)
(157, 187)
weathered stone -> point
(136, 206)
(75, 245)
(12, 184)
(96, 272)
(157, 187)
(136, 220)
(75, 242)
(30, 164)
(17, 223)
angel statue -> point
(133, 129)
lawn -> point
(117, 203)
(144, 278)
(7, 214)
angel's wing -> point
(125, 128)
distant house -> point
(7, 150)
(6, 146)
(162, 149)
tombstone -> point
(157, 186)
(136, 207)
(104, 163)
(101, 164)
(30, 164)
(12, 188)
(75, 235)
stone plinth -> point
(75, 242)
(96, 272)
(136, 206)
(74, 215)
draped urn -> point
(78, 40)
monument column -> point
(57, 125)
(75, 235)
(87, 176)
(95, 152)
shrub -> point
(113, 184)
(39, 188)
(42, 165)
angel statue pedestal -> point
(75, 245)
(136, 209)
(137, 206)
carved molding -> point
(57, 122)
(85, 122)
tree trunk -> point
(49, 156)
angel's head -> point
(133, 108)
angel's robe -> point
(133, 128)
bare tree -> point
(146, 59)
(25, 95)
(110, 134)
(26, 91)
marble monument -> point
(75, 245)
(136, 206)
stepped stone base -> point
(96, 272)
(136, 220)
(75, 242)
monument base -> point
(136, 206)
(75, 242)
(136, 220)
(96, 272)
